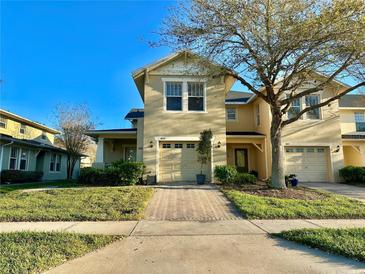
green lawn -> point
(348, 242)
(59, 184)
(35, 252)
(79, 204)
(260, 207)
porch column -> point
(100, 152)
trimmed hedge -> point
(120, 173)
(353, 174)
(20, 176)
(225, 174)
(229, 175)
(245, 178)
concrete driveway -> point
(354, 192)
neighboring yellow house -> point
(29, 146)
(180, 101)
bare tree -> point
(273, 47)
(73, 121)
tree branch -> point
(287, 122)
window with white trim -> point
(195, 96)
(23, 159)
(231, 114)
(22, 128)
(311, 100)
(360, 121)
(295, 108)
(52, 162)
(13, 161)
(173, 93)
(58, 162)
(258, 118)
(3, 121)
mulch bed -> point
(299, 193)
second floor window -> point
(174, 96)
(294, 109)
(311, 100)
(196, 96)
(360, 121)
(231, 114)
(44, 135)
(22, 129)
(2, 121)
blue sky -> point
(76, 51)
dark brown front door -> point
(241, 159)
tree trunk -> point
(71, 161)
(278, 176)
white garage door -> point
(178, 162)
(310, 164)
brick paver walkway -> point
(190, 202)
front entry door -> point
(241, 159)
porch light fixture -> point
(219, 144)
(151, 144)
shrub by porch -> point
(117, 174)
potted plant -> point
(204, 153)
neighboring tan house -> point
(29, 146)
(180, 102)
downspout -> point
(2, 153)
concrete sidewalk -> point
(179, 228)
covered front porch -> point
(353, 150)
(248, 152)
(114, 145)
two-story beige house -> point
(181, 100)
(29, 146)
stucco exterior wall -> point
(323, 132)
(244, 118)
(347, 119)
(161, 123)
(31, 133)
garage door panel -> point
(310, 164)
(179, 164)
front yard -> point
(260, 202)
(75, 204)
(347, 242)
(35, 252)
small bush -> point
(118, 173)
(245, 178)
(254, 173)
(352, 174)
(20, 176)
(225, 174)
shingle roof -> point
(352, 101)
(134, 114)
(233, 133)
(31, 143)
(115, 130)
(238, 96)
